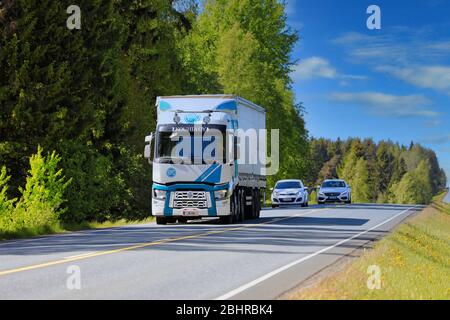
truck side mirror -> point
(148, 147)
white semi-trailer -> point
(208, 156)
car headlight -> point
(221, 194)
(321, 193)
(275, 194)
(159, 194)
(344, 193)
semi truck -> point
(208, 156)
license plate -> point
(333, 198)
(287, 200)
(190, 213)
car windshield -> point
(288, 185)
(333, 184)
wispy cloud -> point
(387, 104)
(438, 139)
(317, 67)
(395, 45)
(430, 77)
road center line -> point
(144, 245)
(283, 268)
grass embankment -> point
(63, 228)
(414, 261)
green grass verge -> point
(414, 261)
(69, 227)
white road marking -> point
(281, 269)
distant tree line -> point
(378, 172)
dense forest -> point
(76, 104)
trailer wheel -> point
(241, 206)
(258, 204)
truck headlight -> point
(159, 194)
(221, 194)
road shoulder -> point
(410, 263)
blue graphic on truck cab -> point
(164, 106)
(227, 106)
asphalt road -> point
(255, 260)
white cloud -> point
(317, 67)
(401, 45)
(387, 104)
(314, 67)
(430, 77)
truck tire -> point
(258, 198)
(255, 204)
(241, 206)
(248, 208)
(226, 219)
(161, 220)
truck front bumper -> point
(222, 208)
(167, 207)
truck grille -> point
(190, 195)
(190, 199)
(190, 204)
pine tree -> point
(361, 183)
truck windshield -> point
(189, 144)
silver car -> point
(290, 192)
(334, 191)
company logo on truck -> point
(171, 172)
(192, 118)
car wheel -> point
(274, 206)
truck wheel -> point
(255, 202)
(258, 201)
(161, 221)
(182, 220)
(240, 206)
(226, 220)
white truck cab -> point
(195, 153)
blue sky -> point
(392, 83)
